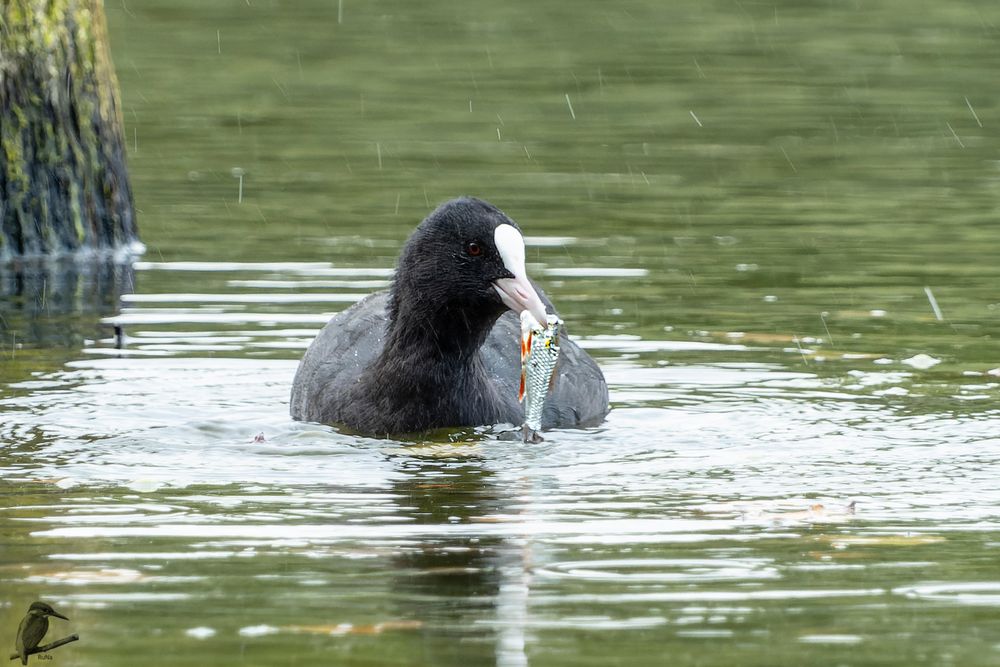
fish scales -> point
(539, 355)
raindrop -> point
(570, 105)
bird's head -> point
(44, 609)
(468, 255)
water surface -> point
(743, 211)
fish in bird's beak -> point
(516, 293)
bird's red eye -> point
(473, 249)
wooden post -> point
(63, 182)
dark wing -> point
(580, 393)
(29, 633)
(348, 343)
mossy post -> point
(63, 183)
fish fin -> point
(525, 351)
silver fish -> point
(539, 354)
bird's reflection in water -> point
(461, 586)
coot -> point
(441, 347)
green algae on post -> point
(63, 179)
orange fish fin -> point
(525, 350)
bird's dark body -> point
(29, 634)
(440, 348)
(485, 393)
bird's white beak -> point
(516, 293)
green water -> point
(743, 210)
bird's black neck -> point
(429, 372)
(450, 332)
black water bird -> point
(440, 348)
(33, 627)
